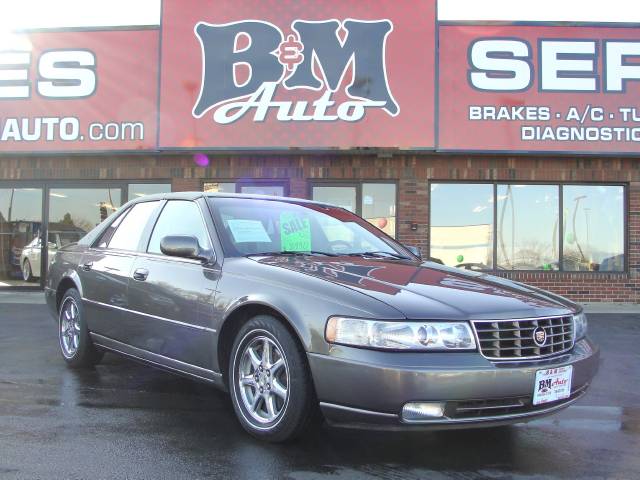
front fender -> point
(282, 305)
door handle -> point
(87, 266)
(140, 274)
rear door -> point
(106, 268)
(173, 297)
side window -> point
(179, 217)
(107, 235)
(128, 233)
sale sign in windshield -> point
(79, 91)
(539, 88)
(326, 73)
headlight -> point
(579, 326)
(400, 335)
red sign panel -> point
(80, 91)
(539, 88)
(326, 73)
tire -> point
(288, 414)
(76, 346)
(27, 273)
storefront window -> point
(462, 224)
(137, 190)
(250, 188)
(375, 202)
(527, 226)
(273, 190)
(533, 231)
(20, 229)
(75, 211)
(344, 197)
(379, 206)
(593, 228)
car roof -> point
(196, 195)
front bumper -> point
(358, 387)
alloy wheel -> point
(263, 379)
(26, 271)
(69, 327)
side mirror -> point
(415, 250)
(184, 246)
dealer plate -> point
(552, 384)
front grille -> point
(514, 339)
(497, 407)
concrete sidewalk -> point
(37, 298)
(29, 298)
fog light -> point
(421, 411)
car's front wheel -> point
(75, 343)
(269, 380)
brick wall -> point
(411, 172)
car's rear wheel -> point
(27, 273)
(75, 343)
(269, 379)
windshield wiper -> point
(292, 252)
(379, 254)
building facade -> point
(80, 184)
(460, 165)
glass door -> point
(20, 237)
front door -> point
(173, 297)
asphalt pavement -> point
(125, 420)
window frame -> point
(560, 185)
(149, 229)
(358, 186)
(125, 187)
(144, 234)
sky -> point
(27, 14)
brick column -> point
(413, 208)
(633, 240)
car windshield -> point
(256, 226)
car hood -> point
(429, 290)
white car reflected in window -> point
(31, 257)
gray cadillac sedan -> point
(303, 310)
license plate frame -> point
(552, 384)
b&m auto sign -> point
(79, 91)
(539, 88)
(318, 74)
(291, 73)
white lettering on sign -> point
(67, 74)
(262, 101)
(14, 74)
(618, 67)
(61, 74)
(501, 65)
(507, 65)
(569, 66)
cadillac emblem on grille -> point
(539, 336)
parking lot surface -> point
(125, 420)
